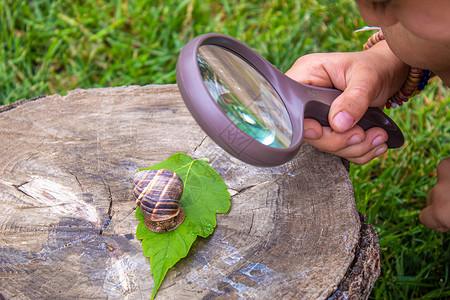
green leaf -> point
(205, 194)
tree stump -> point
(67, 227)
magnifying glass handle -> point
(374, 117)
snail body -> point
(158, 194)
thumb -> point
(350, 106)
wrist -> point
(397, 69)
(405, 85)
(389, 72)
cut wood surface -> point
(67, 226)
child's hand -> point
(437, 213)
(367, 79)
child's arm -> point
(367, 79)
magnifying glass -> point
(249, 107)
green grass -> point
(52, 47)
(392, 191)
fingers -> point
(360, 83)
(312, 130)
(372, 146)
(311, 69)
(429, 219)
(443, 170)
(364, 159)
(436, 215)
(355, 145)
(364, 83)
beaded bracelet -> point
(415, 82)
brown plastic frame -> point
(301, 101)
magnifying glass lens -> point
(245, 96)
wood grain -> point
(67, 215)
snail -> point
(158, 193)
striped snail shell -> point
(158, 193)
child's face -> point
(417, 31)
(428, 19)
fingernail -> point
(310, 134)
(378, 141)
(356, 139)
(343, 121)
(380, 151)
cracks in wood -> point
(243, 190)
(44, 206)
(164, 288)
(201, 142)
(251, 223)
(109, 210)
(76, 178)
(130, 212)
(18, 188)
